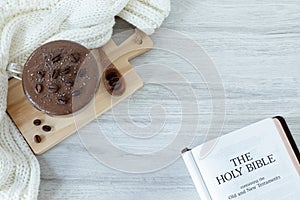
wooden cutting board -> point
(23, 113)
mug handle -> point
(15, 70)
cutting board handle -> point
(135, 45)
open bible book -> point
(260, 161)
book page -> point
(251, 163)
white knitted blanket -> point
(25, 25)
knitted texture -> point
(27, 24)
(147, 15)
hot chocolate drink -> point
(61, 77)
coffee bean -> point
(111, 75)
(53, 88)
(39, 80)
(38, 88)
(117, 86)
(69, 82)
(54, 73)
(62, 100)
(75, 57)
(66, 69)
(75, 93)
(56, 58)
(37, 139)
(45, 56)
(113, 81)
(46, 128)
(47, 65)
(41, 74)
(37, 122)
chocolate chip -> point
(38, 88)
(75, 57)
(69, 82)
(111, 75)
(75, 93)
(56, 58)
(66, 69)
(37, 122)
(62, 100)
(53, 88)
(54, 73)
(37, 139)
(46, 128)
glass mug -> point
(60, 78)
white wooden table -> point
(256, 48)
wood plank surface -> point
(255, 46)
